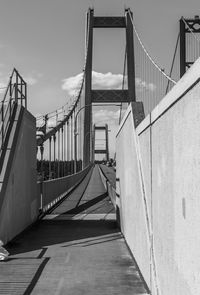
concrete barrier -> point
(20, 206)
(52, 191)
(158, 166)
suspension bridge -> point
(72, 224)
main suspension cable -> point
(146, 52)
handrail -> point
(16, 93)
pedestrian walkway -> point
(70, 253)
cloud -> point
(140, 84)
(3, 83)
(103, 81)
(72, 84)
(3, 87)
(99, 81)
(106, 116)
(106, 81)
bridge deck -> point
(77, 256)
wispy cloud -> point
(3, 83)
(99, 81)
(72, 84)
(2, 87)
(103, 81)
(106, 116)
(106, 81)
(140, 84)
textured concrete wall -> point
(21, 206)
(169, 150)
(132, 213)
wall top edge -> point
(129, 109)
(144, 124)
(188, 81)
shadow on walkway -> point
(54, 232)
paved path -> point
(72, 257)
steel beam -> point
(110, 96)
(88, 87)
(109, 22)
(187, 26)
(100, 152)
(130, 57)
(182, 48)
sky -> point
(45, 41)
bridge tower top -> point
(113, 95)
(187, 26)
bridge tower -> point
(105, 150)
(106, 96)
(187, 26)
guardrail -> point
(52, 191)
(16, 92)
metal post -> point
(54, 154)
(42, 174)
(49, 157)
(2, 127)
(182, 48)
(16, 88)
(80, 138)
(42, 163)
(21, 90)
(88, 87)
(58, 153)
(62, 152)
(68, 146)
(130, 56)
(64, 149)
(107, 149)
(75, 141)
(71, 166)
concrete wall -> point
(158, 164)
(132, 214)
(20, 205)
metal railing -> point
(16, 93)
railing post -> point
(68, 146)
(16, 88)
(71, 165)
(65, 149)
(54, 154)
(50, 157)
(42, 163)
(182, 49)
(25, 95)
(62, 142)
(2, 127)
(58, 153)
